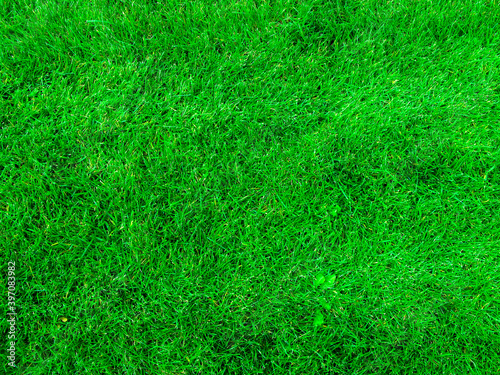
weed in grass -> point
(324, 283)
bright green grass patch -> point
(176, 177)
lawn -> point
(250, 187)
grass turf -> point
(175, 176)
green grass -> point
(175, 175)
